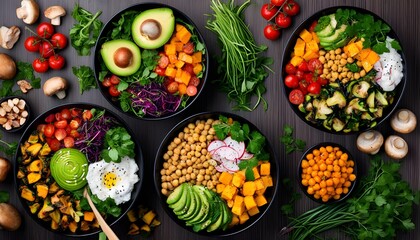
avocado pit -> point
(151, 29)
(123, 57)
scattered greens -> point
(117, 144)
(4, 196)
(86, 78)
(85, 31)
(382, 206)
(8, 148)
(288, 208)
(291, 144)
(105, 207)
(24, 71)
(241, 66)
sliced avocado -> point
(216, 225)
(152, 28)
(176, 194)
(121, 57)
(340, 43)
(182, 202)
(197, 207)
(204, 210)
(337, 99)
(327, 31)
(192, 207)
(184, 210)
(335, 37)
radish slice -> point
(215, 145)
(227, 153)
(231, 166)
(247, 155)
(220, 168)
(239, 147)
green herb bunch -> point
(117, 144)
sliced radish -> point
(227, 153)
(247, 155)
(220, 168)
(215, 145)
(237, 146)
(231, 166)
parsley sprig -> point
(24, 71)
(8, 148)
(118, 144)
(86, 78)
(291, 144)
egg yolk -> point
(110, 179)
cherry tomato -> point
(49, 130)
(113, 91)
(283, 21)
(163, 61)
(303, 86)
(59, 40)
(296, 96)
(315, 65)
(322, 81)
(75, 112)
(268, 11)
(160, 71)
(56, 62)
(303, 66)
(74, 133)
(191, 90)
(189, 68)
(41, 127)
(313, 25)
(54, 144)
(291, 8)
(115, 80)
(188, 48)
(300, 74)
(314, 88)
(290, 69)
(309, 78)
(61, 124)
(87, 115)
(106, 82)
(277, 3)
(291, 81)
(32, 44)
(66, 114)
(40, 65)
(46, 49)
(271, 32)
(68, 142)
(50, 118)
(58, 117)
(60, 134)
(74, 124)
(194, 81)
(172, 87)
(45, 30)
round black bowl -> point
(27, 109)
(269, 194)
(124, 207)
(399, 90)
(108, 28)
(350, 157)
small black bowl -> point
(270, 193)
(125, 207)
(25, 113)
(107, 30)
(350, 157)
(399, 90)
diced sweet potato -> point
(238, 201)
(305, 35)
(170, 72)
(197, 68)
(299, 47)
(183, 35)
(260, 200)
(238, 210)
(225, 178)
(248, 188)
(256, 172)
(238, 179)
(182, 89)
(170, 49)
(185, 57)
(268, 181)
(259, 184)
(197, 57)
(296, 60)
(220, 187)
(265, 169)
(243, 218)
(253, 211)
(88, 216)
(229, 192)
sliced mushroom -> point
(24, 85)
(28, 12)
(9, 36)
(55, 13)
(370, 142)
(55, 85)
(404, 121)
(396, 147)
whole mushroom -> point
(404, 121)
(55, 13)
(10, 219)
(57, 86)
(396, 147)
(28, 12)
(370, 142)
(7, 67)
(4, 168)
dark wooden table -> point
(401, 15)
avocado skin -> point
(107, 52)
(164, 16)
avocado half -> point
(152, 28)
(121, 57)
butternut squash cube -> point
(197, 57)
(296, 60)
(310, 55)
(351, 50)
(170, 72)
(235, 221)
(265, 168)
(179, 64)
(148, 217)
(182, 89)
(315, 37)
(229, 192)
(220, 187)
(170, 49)
(249, 188)
(173, 59)
(253, 211)
(261, 191)
(88, 216)
(305, 35)
(312, 46)
(299, 47)
(372, 57)
(197, 68)
(185, 57)
(183, 35)
(179, 46)
(367, 66)
(363, 54)
(238, 201)
(249, 202)
(238, 179)
(268, 181)
(259, 184)
(238, 210)
(243, 218)
(256, 172)
(225, 178)
(260, 200)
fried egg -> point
(114, 180)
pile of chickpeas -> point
(335, 66)
(187, 158)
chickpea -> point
(330, 63)
(344, 55)
(175, 157)
(338, 57)
(163, 178)
(350, 60)
(359, 64)
(164, 192)
(334, 75)
(343, 74)
(340, 69)
(199, 166)
(188, 177)
(322, 59)
(325, 71)
(349, 74)
(337, 51)
(178, 172)
(204, 182)
(334, 67)
(332, 57)
(193, 175)
(175, 183)
(343, 61)
(164, 185)
(209, 137)
(207, 177)
(326, 65)
(189, 170)
(362, 73)
(182, 179)
(174, 176)
(170, 187)
(322, 52)
(197, 154)
(210, 185)
(183, 172)
(177, 140)
(170, 153)
(165, 156)
(202, 171)
(356, 75)
(202, 138)
(200, 178)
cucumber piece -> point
(227, 214)
(176, 194)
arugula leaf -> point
(117, 144)
(4, 197)
(289, 142)
(86, 78)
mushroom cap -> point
(29, 11)
(370, 142)
(396, 147)
(7, 67)
(54, 11)
(54, 85)
(404, 121)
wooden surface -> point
(401, 15)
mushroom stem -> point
(61, 94)
(404, 121)
(396, 147)
(403, 116)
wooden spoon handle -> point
(104, 226)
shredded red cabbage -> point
(153, 100)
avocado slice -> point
(176, 194)
(121, 57)
(335, 37)
(152, 28)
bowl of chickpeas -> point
(193, 159)
(338, 83)
(327, 173)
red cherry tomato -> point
(188, 48)
(300, 74)
(58, 117)
(189, 68)
(45, 30)
(160, 71)
(56, 62)
(322, 81)
(309, 78)
(271, 32)
(315, 66)
(313, 25)
(59, 40)
(290, 69)
(74, 124)
(40, 65)
(172, 87)
(303, 86)
(32, 44)
(87, 115)
(54, 144)
(113, 91)
(291, 81)
(115, 80)
(41, 127)
(268, 11)
(74, 133)
(60, 134)
(75, 112)
(61, 124)
(106, 82)
(163, 61)
(296, 96)
(303, 66)
(50, 118)
(314, 88)
(46, 49)
(291, 8)
(283, 21)
(194, 81)
(68, 142)
(49, 130)
(277, 3)
(191, 90)
(66, 114)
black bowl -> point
(399, 90)
(269, 194)
(107, 30)
(124, 207)
(26, 108)
(350, 157)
